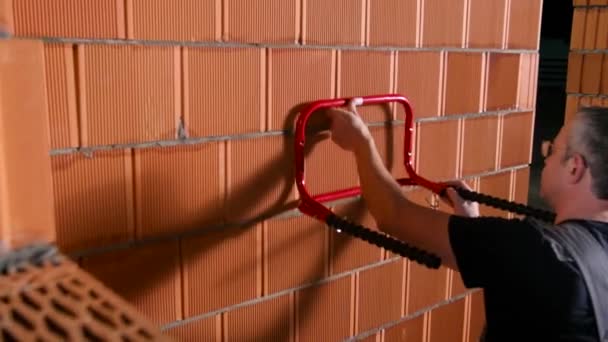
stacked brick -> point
(588, 60)
(171, 152)
(45, 297)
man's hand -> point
(460, 206)
(347, 129)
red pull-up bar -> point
(311, 205)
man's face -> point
(552, 180)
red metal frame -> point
(312, 206)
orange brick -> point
(524, 24)
(443, 23)
(419, 78)
(516, 144)
(25, 174)
(231, 82)
(349, 252)
(61, 92)
(393, 23)
(534, 80)
(69, 18)
(426, 287)
(260, 178)
(527, 72)
(147, 276)
(270, 320)
(591, 73)
(487, 23)
(580, 2)
(437, 150)
(604, 85)
(377, 337)
(528, 76)
(591, 28)
(295, 252)
(221, 268)
(571, 107)
(297, 76)
(477, 318)
(323, 312)
(127, 93)
(575, 72)
(366, 73)
(577, 39)
(412, 330)
(598, 2)
(188, 20)
(93, 199)
(276, 21)
(178, 189)
(503, 72)
(598, 101)
(447, 322)
(204, 330)
(6, 17)
(480, 145)
(535, 57)
(458, 287)
(498, 185)
(522, 185)
(329, 168)
(381, 295)
(333, 22)
(602, 30)
(585, 101)
(464, 83)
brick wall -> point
(172, 166)
(588, 60)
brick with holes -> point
(44, 296)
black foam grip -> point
(384, 241)
(503, 204)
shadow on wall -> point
(260, 182)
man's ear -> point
(576, 168)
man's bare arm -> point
(395, 214)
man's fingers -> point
(453, 196)
(446, 198)
(352, 107)
(353, 103)
(458, 184)
(334, 115)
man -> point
(531, 290)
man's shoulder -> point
(599, 228)
(572, 227)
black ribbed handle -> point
(503, 204)
(422, 257)
(384, 241)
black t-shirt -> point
(529, 293)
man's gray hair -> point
(590, 138)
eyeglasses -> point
(547, 148)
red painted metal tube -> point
(312, 206)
